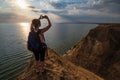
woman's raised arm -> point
(47, 27)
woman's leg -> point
(36, 54)
(42, 57)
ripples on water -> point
(14, 54)
(12, 65)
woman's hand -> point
(43, 17)
(46, 17)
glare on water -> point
(25, 28)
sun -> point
(22, 4)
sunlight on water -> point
(24, 24)
(25, 27)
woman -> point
(40, 54)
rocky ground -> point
(57, 68)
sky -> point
(61, 11)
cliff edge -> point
(57, 68)
(99, 51)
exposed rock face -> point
(99, 51)
(57, 68)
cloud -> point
(56, 18)
(16, 5)
(89, 10)
(59, 5)
(46, 5)
(71, 10)
(107, 6)
(11, 17)
(54, 0)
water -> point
(14, 54)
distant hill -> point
(99, 51)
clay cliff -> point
(57, 68)
(99, 51)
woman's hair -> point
(35, 24)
